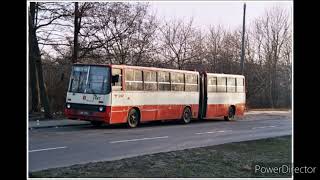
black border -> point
(306, 132)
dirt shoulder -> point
(227, 160)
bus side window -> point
(231, 84)
(240, 85)
(134, 80)
(164, 81)
(212, 84)
(222, 86)
(177, 81)
(116, 75)
(191, 82)
(150, 80)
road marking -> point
(142, 139)
(262, 127)
(47, 149)
(210, 132)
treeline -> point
(128, 33)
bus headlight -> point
(68, 106)
(101, 108)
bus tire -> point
(231, 114)
(96, 123)
(186, 115)
(133, 118)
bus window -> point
(134, 80)
(240, 85)
(129, 75)
(150, 80)
(191, 82)
(164, 81)
(177, 82)
(231, 84)
(117, 86)
(212, 84)
(222, 86)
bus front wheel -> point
(186, 116)
(133, 118)
(231, 114)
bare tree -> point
(144, 42)
(126, 33)
(177, 38)
(214, 46)
(32, 65)
(275, 29)
(35, 59)
(35, 23)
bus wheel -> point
(186, 116)
(231, 114)
(96, 123)
(133, 118)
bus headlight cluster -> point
(68, 106)
(100, 108)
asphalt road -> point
(64, 146)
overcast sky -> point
(206, 13)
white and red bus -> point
(115, 94)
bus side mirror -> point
(115, 78)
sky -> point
(206, 13)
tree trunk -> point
(32, 67)
(43, 93)
(76, 33)
(36, 56)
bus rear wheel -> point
(231, 114)
(133, 118)
(186, 116)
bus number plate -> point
(84, 113)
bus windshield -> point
(90, 79)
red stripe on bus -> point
(218, 110)
(151, 112)
(118, 114)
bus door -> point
(203, 96)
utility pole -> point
(243, 35)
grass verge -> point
(226, 160)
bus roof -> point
(159, 69)
(154, 69)
(225, 75)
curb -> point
(56, 126)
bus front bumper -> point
(88, 115)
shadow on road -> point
(155, 124)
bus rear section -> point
(221, 95)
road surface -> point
(64, 146)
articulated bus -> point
(114, 94)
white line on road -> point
(210, 132)
(47, 149)
(142, 139)
(262, 127)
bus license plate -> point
(84, 113)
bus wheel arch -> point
(231, 113)
(134, 117)
(186, 115)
